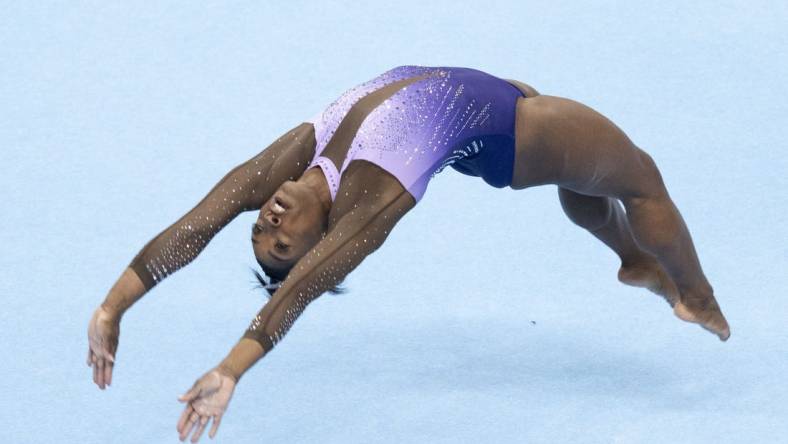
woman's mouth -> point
(276, 207)
(279, 204)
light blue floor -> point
(115, 120)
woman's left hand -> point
(207, 399)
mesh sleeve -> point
(246, 187)
(359, 232)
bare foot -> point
(699, 309)
(648, 273)
(706, 312)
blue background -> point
(116, 118)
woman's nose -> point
(273, 219)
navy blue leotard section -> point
(491, 156)
(494, 163)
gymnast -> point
(330, 190)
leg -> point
(566, 143)
(661, 230)
(605, 219)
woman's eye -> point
(256, 229)
(280, 246)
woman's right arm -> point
(245, 188)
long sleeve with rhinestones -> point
(362, 227)
(245, 188)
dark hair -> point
(276, 276)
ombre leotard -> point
(451, 116)
(410, 121)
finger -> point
(95, 374)
(108, 373)
(108, 351)
(200, 428)
(187, 412)
(100, 366)
(189, 425)
(105, 355)
(190, 395)
(216, 421)
(89, 353)
(184, 417)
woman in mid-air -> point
(330, 190)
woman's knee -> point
(648, 183)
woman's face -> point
(289, 224)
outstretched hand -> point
(206, 400)
(103, 332)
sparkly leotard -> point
(449, 116)
(410, 122)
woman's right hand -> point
(103, 332)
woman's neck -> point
(314, 179)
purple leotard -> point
(455, 116)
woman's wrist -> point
(231, 373)
(113, 313)
(126, 291)
(241, 358)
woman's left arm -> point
(358, 233)
(361, 230)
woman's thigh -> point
(563, 142)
